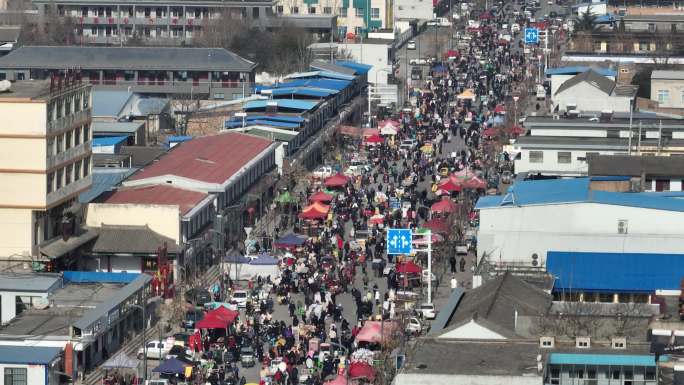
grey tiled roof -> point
(126, 58)
(131, 240)
(601, 82)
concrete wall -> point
(513, 234)
(15, 231)
(676, 89)
(451, 379)
(8, 303)
(472, 331)
(163, 219)
(588, 98)
(413, 9)
(23, 118)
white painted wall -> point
(513, 234)
(35, 374)
(163, 219)
(472, 331)
(413, 9)
(452, 379)
(584, 133)
(550, 165)
(589, 98)
(676, 92)
(376, 55)
(8, 302)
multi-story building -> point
(200, 72)
(45, 162)
(175, 22)
(354, 16)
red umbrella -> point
(443, 206)
(361, 369)
(517, 130)
(374, 139)
(409, 267)
(337, 180)
(437, 225)
(316, 210)
(500, 109)
(490, 132)
(320, 197)
(449, 186)
(475, 183)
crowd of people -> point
(438, 138)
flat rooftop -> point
(27, 90)
(67, 305)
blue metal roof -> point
(574, 70)
(104, 179)
(302, 105)
(99, 277)
(28, 355)
(108, 140)
(272, 123)
(629, 272)
(601, 359)
(565, 191)
(319, 74)
(361, 69)
(332, 84)
(276, 118)
(302, 91)
(178, 138)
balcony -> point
(69, 191)
(69, 121)
(65, 156)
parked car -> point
(411, 45)
(239, 298)
(425, 274)
(408, 144)
(191, 318)
(198, 296)
(427, 311)
(439, 22)
(414, 326)
(323, 172)
(418, 61)
(154, 349)
(247, 357)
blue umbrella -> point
(171, 366)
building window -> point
(15, 376)
(682, 97)
(67, 140)
(663, 96)
(279, 9)
(327, 10)
(86, 166)
(84, 12)
(312, 10)
(294, 10)
(60, 144)
(359, 12)
(77, 137)
(643, 46)
(375, 13)
(68, 174)
(77, 170)
(86, 133)
(536, 156)
(555, 376)
(50, 182)
(564, 157)
(623, 225)
(60, 179)
(343, 12)
(50, 146)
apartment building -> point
(45, 163)
(352, 16)
(175, 22)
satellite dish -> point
(5, 85)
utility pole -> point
(639, 139)
(629, 142)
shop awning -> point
(57, 247)
(443, 206)
(337, 180)
(321, 196)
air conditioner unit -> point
(583, 342)
(547, 342)
(618, 343)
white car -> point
(515, 27)
(414, 326)
(427, 311)
(154, 349)
(425, 274)
(323, 172)
(239, 298)
(418, 61)
(439, 22)
(411, 45)
(357, 169)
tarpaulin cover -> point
(315, 210)
(374, 139)
(449, 186)
(223, 313)
(475, 183)
(120, 360)
(321, 196)
(443, 206)
(171, 366)
(290, 240)
(337, 180)
(376, 331)
(361, 370)
(409, 267)
(370, 132)
(264, 259)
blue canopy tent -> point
(235, 259)
(289, 241)
(264, 260)
(171, 366)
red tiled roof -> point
(157, 195)
(211, 159)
